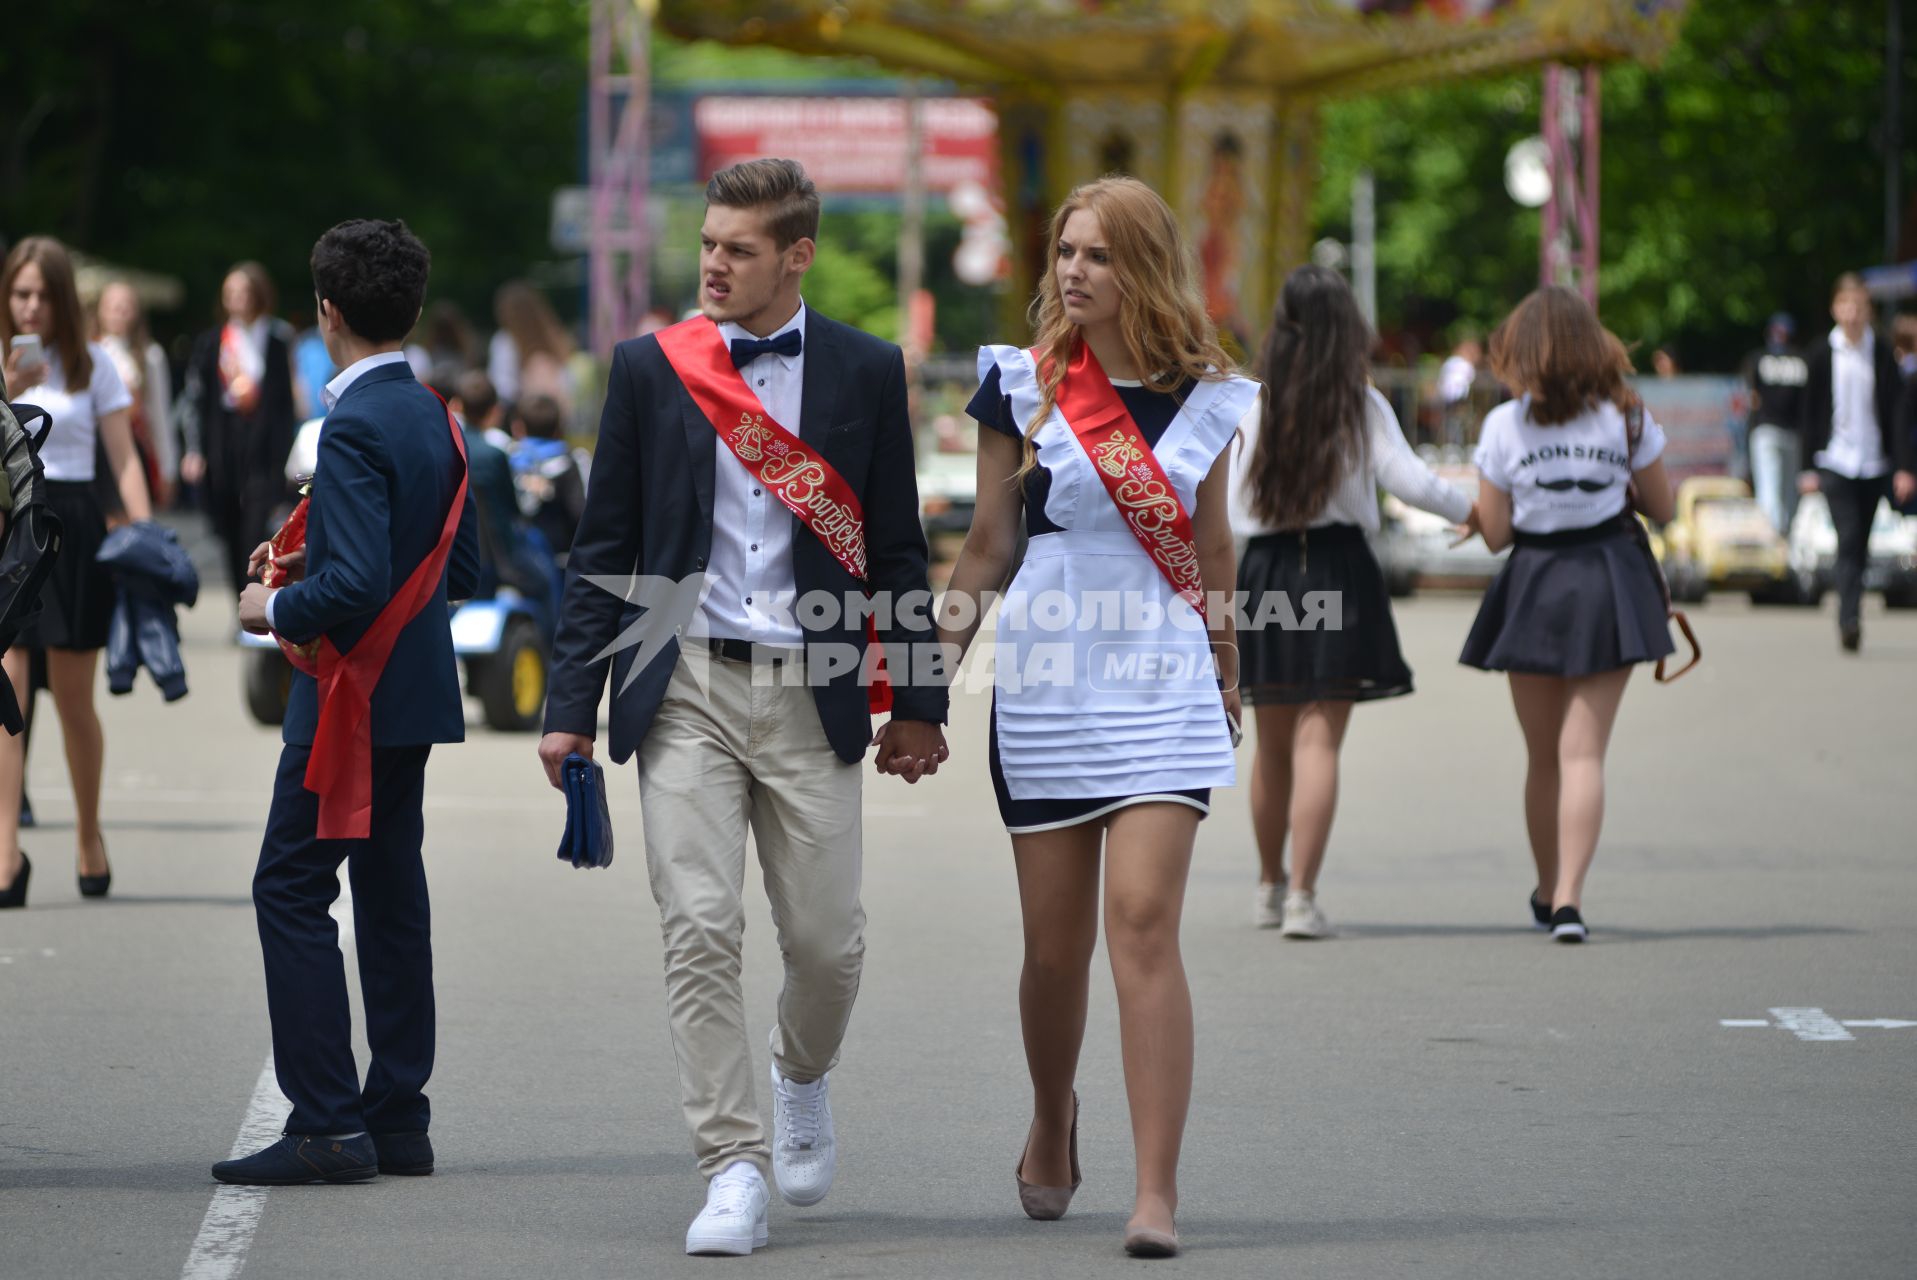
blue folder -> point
(587, 841)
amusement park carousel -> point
(1214, 102)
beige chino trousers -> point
(748, 751)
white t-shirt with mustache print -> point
(1568, 476)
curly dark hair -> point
(374, 271)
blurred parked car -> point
(1891, 569)
(1720, 540)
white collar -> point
(354, 372)
(1838, 342)
(729, 331)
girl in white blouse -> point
(1321, 636)
(78, 386)
(1578, 603)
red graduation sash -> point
(779, 460)
(340, 769)
(1130, 471)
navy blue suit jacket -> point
(649, 511)
(386, 476)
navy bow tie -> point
(746, 350)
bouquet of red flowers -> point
(290, 538)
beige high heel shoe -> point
(1148, 1242)
(1048, 1204)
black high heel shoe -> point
(15, 894)
(96, 886)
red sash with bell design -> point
(779, 460)
(1130, 471)
(340, 769)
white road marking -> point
(1815, 1024)
(226, 1233)
(1811, 1024)
(219, 1251)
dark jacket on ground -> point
(152, 574)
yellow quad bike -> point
(1720, 540)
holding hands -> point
(912, 749)
(1472, 527)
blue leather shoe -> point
(407, 1155)
(296, 1159)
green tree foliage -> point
(1739, 177)
(180, 135)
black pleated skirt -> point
(1355, 660)
(1571, 603)
(76, 601)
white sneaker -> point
(805, 1154)
(1303, 919)
(733, 1222)
(1267, 906)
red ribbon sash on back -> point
(1130, 471)
(784, 464)
(340, 770)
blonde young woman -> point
(1095, 762)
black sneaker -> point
(1540, 912)
(1568, 926)
(1850, 638)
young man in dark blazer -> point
(1850, 436)
(391, 534)
(752, 713)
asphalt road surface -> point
(1437, 1092)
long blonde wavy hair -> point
(1161, 308)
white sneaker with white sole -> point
(1268, 906)
(1303, 919)
(805, 1152)
(733, 1222)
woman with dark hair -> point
(1325, 444)
(77, 384)
(1110, 435)
(241, 424)
(1578, 603)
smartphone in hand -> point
(32, 354)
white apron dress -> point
(1104, 684)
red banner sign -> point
(852, 146)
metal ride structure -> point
(616, 127)
(1214, 102)
(1572, 129)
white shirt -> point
(251, 353)
(68, 452)
(1455, 377)
(1542, 468)
(332, 391)
(329, 396)
(1856, 447)
(502, 366)
(1388, 461)
(753, 593)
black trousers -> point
(297, 880)
(1853, 505)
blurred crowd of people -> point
(222, 432)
